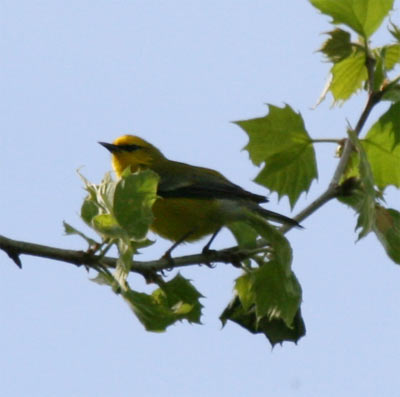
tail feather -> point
(274, 216)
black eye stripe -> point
(129, 148)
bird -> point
(193, 202)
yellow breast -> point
(177, 217)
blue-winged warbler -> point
(193, 201)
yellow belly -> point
(179, 217)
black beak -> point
(110, 147)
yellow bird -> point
(194, 201)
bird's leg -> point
(167, 254)
(206, 249)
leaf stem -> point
(373, 99)
(327, 140)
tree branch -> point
(233, 255)
(230, 255)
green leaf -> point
(382, 145)
(363, 16)
(244, 290)
(105, 193)
(176, 300)
(392, 93)
(281, 250)
(338, 46)
(245, 235)
(89, 186)
(106, 225)
(387, 229)
(348, 76)
(141, 244)
(275, 330)
(100, 198)
(386, 131)
(69, 230)
(134, 197)
(386, 224)
(183, 298)
(366, 208)
(379, 73)
(125, 258)
(277, 293)
(281, 141)
(392, 56)
(268, 301)
(395, 31)
(89, 210)
(105, 277)
(154, 316)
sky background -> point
(176, 73)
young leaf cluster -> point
(121, 213)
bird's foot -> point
(207, 252)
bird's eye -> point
(129, 148)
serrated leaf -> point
(277, 293)
(354, 196)
(386, 225)
(105, 193)
(176, 300)
(338, 46)
(100, 196)
(290, 173)
(154, 316)
(395, 31)
(281, 141)
(275, 330)
(387, 229)
(352, 169)
(69, 230)
(89, 186)
(366, 208)
(348, 76)
(243, 288)
(363, 16)
(392, 56)
(384, 136)
(268, 301)
(133, 199)
(183, 298)
(281, 249)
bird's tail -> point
(274, 216)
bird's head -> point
(132, 151)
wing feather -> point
(183, 180)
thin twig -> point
(327, 140)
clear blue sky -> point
(176, 73)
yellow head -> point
(132, 151)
